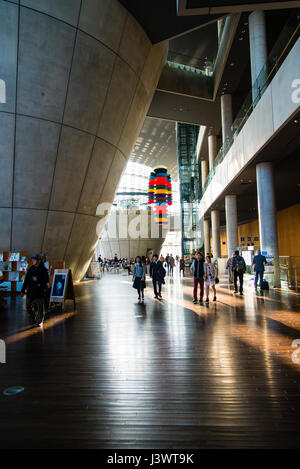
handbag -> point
(217, 280)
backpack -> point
(240, 266)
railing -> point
(289, 36)
(290, 271)
(189, 64)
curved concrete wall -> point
(130, 233)
(79, 76)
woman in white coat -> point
(210, 275)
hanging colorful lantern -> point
(160, 193)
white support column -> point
(267, 214)
(220, 24)
(215, 231)
(206, 228)
(204, 171)
(212, 149)
(258, 42)
(258, 52)
(226, 116)
(231, 223)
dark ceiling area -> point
(190, 7)
(160, 20)
(185, 109)
(195, 48)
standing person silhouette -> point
(157, 273)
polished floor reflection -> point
(170, 374)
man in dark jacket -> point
(197, 268)
(259, 262)
(35, 287)
(238, 267)
(157, 272)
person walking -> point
(259, 262)
(181, 266)
(238, 267)
(35, 286)
(197, 268)
(139, 277)
(229, 268)
(168, 262)
(172, 264)
(210, 275)
(157, 273)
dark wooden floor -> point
(161, 375)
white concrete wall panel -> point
(119, 98)
(85, 73)
(45, 55)
(57, 233)
(7, 129)
(5, 228)
(8, 53)
(113, 178)
(64, 10)
(90, 77)
(72, 161)
(36, 147)
(97, 175)
(282, 88)
(28, 230)
(135, 45)
(104, 21)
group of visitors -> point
(204, 269)
(157, 273)
(236, 267)
(205, 273)
(116, 263)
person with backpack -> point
(157, 273)
(259, 262)
(238, 267)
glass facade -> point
(190, 187)
(133, 189)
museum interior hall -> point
(149, 226)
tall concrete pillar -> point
(204, 171)
(226, 116)
(215, 231)
(220, 24)
(206, 228)
(231, 223)
(258, 42)
(267, 214)
(212, 149)
(258, 53)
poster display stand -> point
(62, 287)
